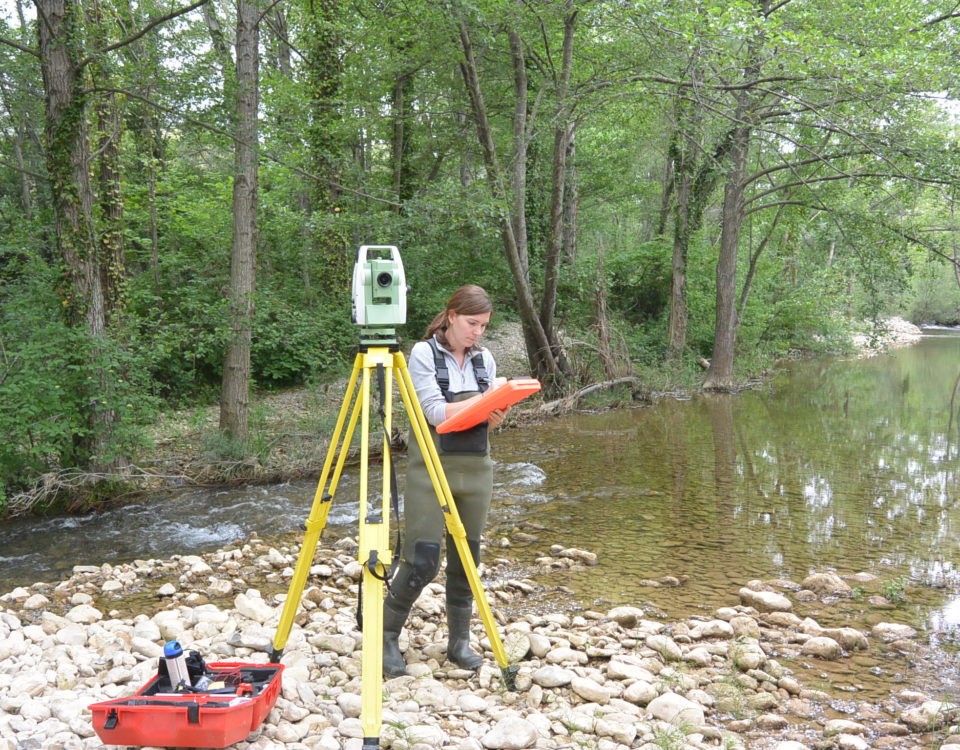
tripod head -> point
(379, 294)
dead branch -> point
(569, 401)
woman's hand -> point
(497, 416)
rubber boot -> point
(404, 590)
(458, 645)
(460, 608)
(393, 619)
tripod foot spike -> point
(509, 674)
(371, 743)
(276, 655)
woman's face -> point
(464, 331)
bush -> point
(49, 376)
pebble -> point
(609, 680)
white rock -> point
(147, 629)
(565, 655)
(640, 692)
(552, 676)
(851, 742)
(427, 734)
(843, 726)
(146, 648)
(665, 646)
(35, 602)
(622, 732)
(827, 584)
(930, 715)
(700, 656)
(85, 614)
(254, 608)
(29, 684)
(619, 669)
(714, 629)
(822, 647)
(677, 710)
(627, 617)
(590, 690)
(350, 704)
(765, 601)
(472, 703)
(892, 631)
(511, 733)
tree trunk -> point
(521, 139)
(754, 259)
(236, 368)
(720, 374)
(677, 324)
(571, 203)
(562, 136)
(69, 168)
(543, 364)
(401, 142)
(324, 71)
(604, 347)
(112, 261)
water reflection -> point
(835, 464)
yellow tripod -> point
(374, 552)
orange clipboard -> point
(509, 393)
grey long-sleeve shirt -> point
(423, 374)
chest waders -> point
(466, 461)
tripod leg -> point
(317, 519)
(418, 425)
(374, 552)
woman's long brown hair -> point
(469, 299)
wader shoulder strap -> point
(480, 370)
(443, 374)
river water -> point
(834, 464)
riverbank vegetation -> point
(675, 194)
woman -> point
(449, 370)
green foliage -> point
(334, 174)
(934, 294)
(640, 280)
(291, 345)
(48, 373)
(894, 589)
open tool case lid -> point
(235, 703)
(507, 394)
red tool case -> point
(213, 719)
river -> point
(834, 464)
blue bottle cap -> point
(172, 649)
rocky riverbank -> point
(889, 334)
(607, 680)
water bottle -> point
(176, 664)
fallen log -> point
(568, 402)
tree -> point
(546, 355)
(236, 367)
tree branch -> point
(142, 32)
(266, 155)
(21, 47)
